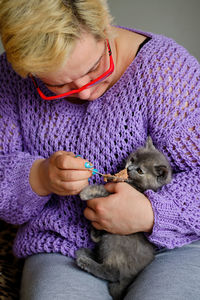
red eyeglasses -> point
(86, 86)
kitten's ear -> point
(149, 143)
(161, 172)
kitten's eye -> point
(132, 160)
(139, 171)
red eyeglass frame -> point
(88, 85)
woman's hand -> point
(124, 212)
(62, 173)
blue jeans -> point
(173, 275)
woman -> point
(76, 91)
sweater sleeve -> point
(174, 123)
(18, 202)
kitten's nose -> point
(130, 168)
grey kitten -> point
(119, 258)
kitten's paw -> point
(115, 291)
(82, 260)
(87, 193)
(96, 235)
(93, 191)
(82, 263)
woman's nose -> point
(78, 83)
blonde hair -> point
(38, 35)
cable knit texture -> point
(158, 95)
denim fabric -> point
(174, 275)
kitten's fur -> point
(119, 258)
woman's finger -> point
(73, 187)
(65, 161)
(74, 175)
(97, 226)
(90, 214)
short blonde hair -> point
(38, 35)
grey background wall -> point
(179, 19)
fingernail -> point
(77, 155)
(88, 165)
(94, 171)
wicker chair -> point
(10, 266)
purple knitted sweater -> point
(158, 95)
